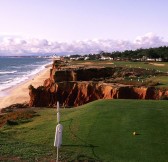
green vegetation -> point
(153, 53)
(17, 117)
(149, 74)
(98, 131)
(128, 64)
(163, 80)
(143, 65)
(159, 54)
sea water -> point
(14, 70)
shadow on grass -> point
(80, 146)
(84, 145)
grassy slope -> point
(99, 131)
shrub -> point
(164, 97)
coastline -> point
(20, 92)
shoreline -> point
(20, 92)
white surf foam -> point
(17, 80)
(7, 72)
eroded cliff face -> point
(78, 93)
(74, 87)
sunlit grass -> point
(129, 64)
(98, 131)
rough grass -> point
(17, 117)
(148, 80)
(163, 80)
(98, 131)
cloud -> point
(17, 46)
(149, 40)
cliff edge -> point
(77, 86)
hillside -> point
(98, 131)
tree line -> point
(152, 53)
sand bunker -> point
(92, 63)
(110, 63)
(156, 64)
(86, 63)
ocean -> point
(14, 70)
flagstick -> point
(58, 123)
(57, 155)
(58, 133)
(57, 106)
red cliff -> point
(78, 93)
(74, 87)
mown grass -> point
(143, 65)
(98, 131)
(129, 64)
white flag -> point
(58, 135)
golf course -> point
(83, 81)
(103, 130)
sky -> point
(81, 26)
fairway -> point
(128, 64)
(98, 131)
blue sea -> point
(14, 70)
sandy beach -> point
(20, 93)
